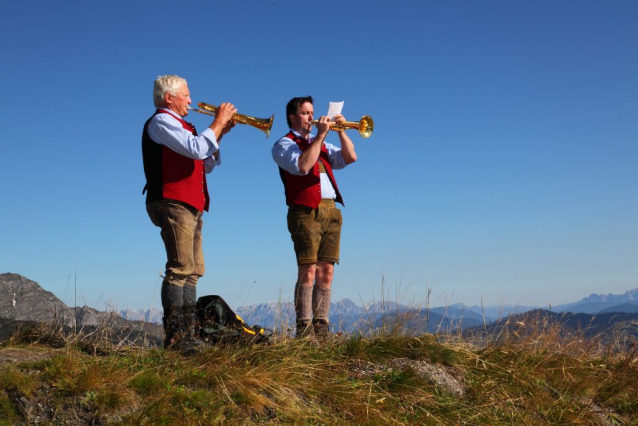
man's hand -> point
(223, 120)
(323, 126)
(225, 113)
(227, 128)
(339, 118)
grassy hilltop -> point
(537, 375)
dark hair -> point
(293, 106)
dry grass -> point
(530, 374)
(104, 337)
(531, 371)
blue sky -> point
(502, 168)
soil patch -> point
(26, 354)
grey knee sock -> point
(303, 302)
(172, 298)
(190, 298)
(321, 302)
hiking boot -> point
(321, 328)
(190, 342)
(172, 330)
(180, 334)
(304, 329)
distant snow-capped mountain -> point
(148, 315)
(630, 295)
(595, 303)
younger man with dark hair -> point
(306, 163)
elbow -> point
(351, 159)
(304, 167)
(198, 154)
(304, 170)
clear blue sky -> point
(503, 166)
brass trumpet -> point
(365, 126)
(263, 124)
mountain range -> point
(614, 329)
(347, 316)
(24, 300)
(595, 303)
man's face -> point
(301, 120)
(180, 101)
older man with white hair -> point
(176, 160)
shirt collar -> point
(296, 133)
(170, 111)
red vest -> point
(171, 175)
(306, 190)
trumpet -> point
(263, 124)
(365, 126)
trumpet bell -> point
(263, 124)
(365, 126)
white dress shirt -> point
(166, 130)
(286, 154)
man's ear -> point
(168, 100)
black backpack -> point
(219, 324)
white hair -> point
(166, 84)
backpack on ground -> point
(218, 323)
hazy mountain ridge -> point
(346, 316)
(612, 298)
(609, 327)
(595, 303)
(623, 307)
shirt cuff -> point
(211, 138)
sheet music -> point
(334, 108)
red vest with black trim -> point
(306, 190)
(171, 175)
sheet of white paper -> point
(334, 108)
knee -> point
(307, 274)
(325, 273)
